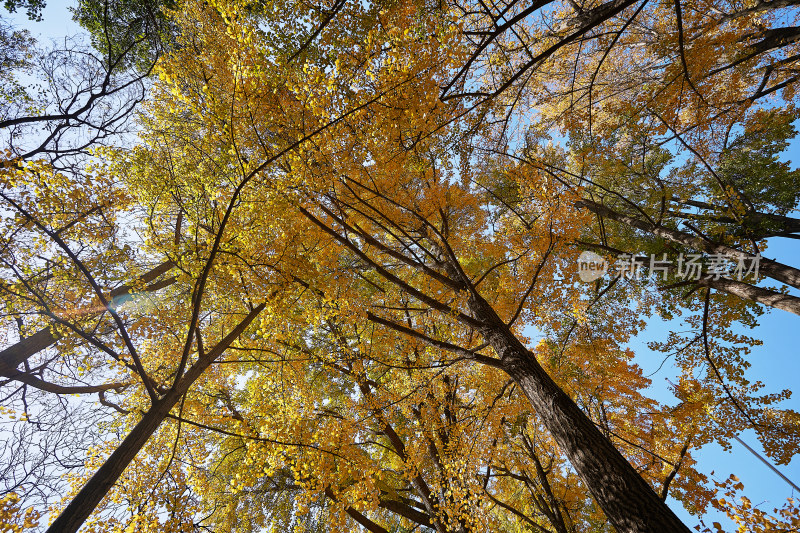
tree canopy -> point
(273, 266)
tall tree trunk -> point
(777, 271)
(628, 501)
(625, 497)
(16, 354)
(82, 505)
(743, 290)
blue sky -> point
(56, 21)
(775, 363)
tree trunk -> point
(745, 291)
(82, 505)
(16, 354)
(628, 501)
(786, 302)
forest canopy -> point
(377, 266)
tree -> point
(329, 203)
(325, 417)
(56, 209)
(318, 173)
(136, 30)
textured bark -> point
(743, 290)
(368, 524)
(82, 505)
(753, 293)
(55, 388)
(16, 354)
(628, 501)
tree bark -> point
(368, 524)
(84, 503)
(628, 501)
(746, 291)
(630, 504)
(406, 511)
(55, 388)
(760, 295)
(16, 354)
